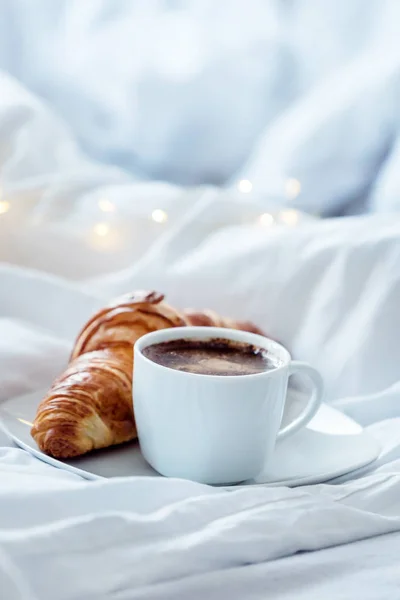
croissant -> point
(90, 405)
(208, 318)
(125, 320)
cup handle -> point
(313, 403)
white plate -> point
(331, 445)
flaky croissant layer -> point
(125, 320)
(90, 405)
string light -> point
(292, 188)
(101, 229)
(266, 220)
(290, 217)
(245, 186)
(4, 207)
(105, 205)
(159, 216)
(25, 422)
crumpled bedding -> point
(267, 91)
(328, 290)
(74, 232)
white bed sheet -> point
(192, 92)
(329, 290)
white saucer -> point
(331, 445)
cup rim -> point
(203, 332)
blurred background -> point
(112, 108)
(240, 155)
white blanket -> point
(73, 232)
(331, 292)
(267, 91)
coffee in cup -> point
(208, 401)
(213, 356)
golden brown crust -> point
(208, 318)
(125, 320)
(89, 406)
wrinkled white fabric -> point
(196, 92)
(329, 290)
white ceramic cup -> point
(214, 429)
